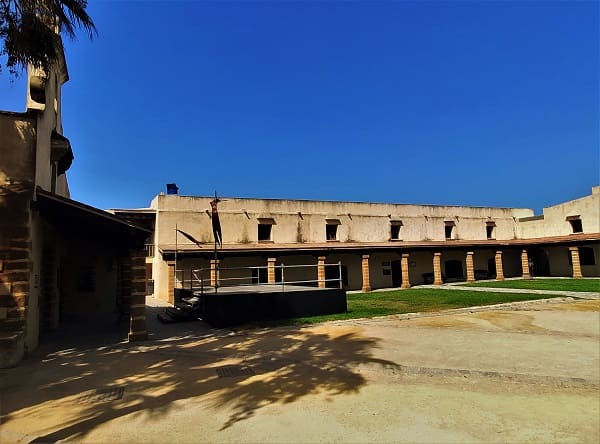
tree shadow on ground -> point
(266, 367)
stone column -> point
(525, 265)
(321, 271)
(366, 278)
(137, 318)
(214, 272)
(470, 267)
(499, 268)
(404, 267)
(171, 282)
(271, 270)
(576, 264)
(437, 269)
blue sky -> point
(458, 103)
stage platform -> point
(246, 303)
(261, 288)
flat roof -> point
(333, 247)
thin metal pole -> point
(216, 267)
(175, 268)
(340, 274)
(282, 278)
(216, 255)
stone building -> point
(377, 245)
(60, 260)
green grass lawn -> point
(368, 305)
(544, 284)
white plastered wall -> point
(305, 221)
(555, 223)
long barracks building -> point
(378, 245)
(63, 261)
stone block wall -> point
(15, 269)
(17, 171)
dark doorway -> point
(396, 273)
(454, 269)
(586, 256)
(492, 267)
(332, 276)
(541, 264)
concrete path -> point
(526, 375)
(572, 294)
(458, 286)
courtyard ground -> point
(526, 372)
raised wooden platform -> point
(237, 305)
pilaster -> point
(525, 265)
(437, 269)
(214, 272)
(470, 267)
(271, 270)
(321, 271)
(366, 278)
(405, 274)
(499, 267)
(171, 282)
(576, 263)
(137, 324)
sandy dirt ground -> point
(530, 374)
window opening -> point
(449, 230)
(576, 225)
(490, 230)
(265, 229)
(395, 227)
(331, 232)
(264, 232)
(331, 229)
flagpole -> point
(216, 268)
(216, 257)
(216, 226)
(175, 268)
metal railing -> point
(210, 279)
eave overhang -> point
(76, 219)
(189, 250)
